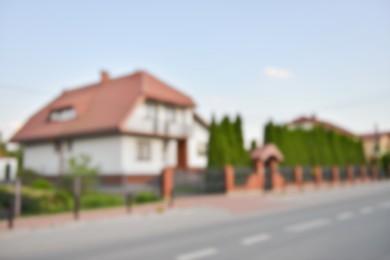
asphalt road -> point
(354, 224)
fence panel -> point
(214, 180)
(267, 179)
(356, 172)
(307, 174)
(369, 172)
(343, 174)
(288, 174)
(327, 174)
(188, 183)
(381, 173)
(241, 175)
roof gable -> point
(100, 107)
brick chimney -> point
(105, 77)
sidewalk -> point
(234, 203)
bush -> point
(100, 200)
(144, 197)
(42, 184)
(28, 176)
(37, 201)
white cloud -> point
(279, 73)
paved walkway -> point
(235, 203)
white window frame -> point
(144, 150)
(62, 114)
(171, 114)
(151, 110)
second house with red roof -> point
(131, 127)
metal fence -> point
(241, 175)
(288, 174)
(307, 174)
(267, 179)
(214, 180)
(327, 174)
(356, 172)
(343, 173)
(189, 183)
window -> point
(151, 110)
(171, 114)
(202, 149)
(62, 115)
(144, 151)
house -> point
(309, 122)
(131, 127)
(376, 144)
(8, 168)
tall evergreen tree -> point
(211, 146)
(242, 154)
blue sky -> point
(263, 59)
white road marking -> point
(366, 210)
(345, 215)
(385, 205)
(301, 227)
(198, 254)
(248, 241)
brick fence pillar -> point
(335, 175)
(298, 176)
(318, 175)
(350, 175)
(167, 182)
(259, 171)
(229, 178)
(277, 179)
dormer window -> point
(62, 114)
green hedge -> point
(315, 146)
(145, 197)
(36, 201)
(42, 184)
(100, 200)
(226, 144)
(385, 162)
(40, 198)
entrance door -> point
(267, 179)
(182, 154)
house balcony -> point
(148, 126)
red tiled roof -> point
(327, 125)
(266, 152)
(201, 120)
(374, 135)
(100, 107)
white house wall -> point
(105, 153)
(153, 166)
(41, 158)
(199, 137)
